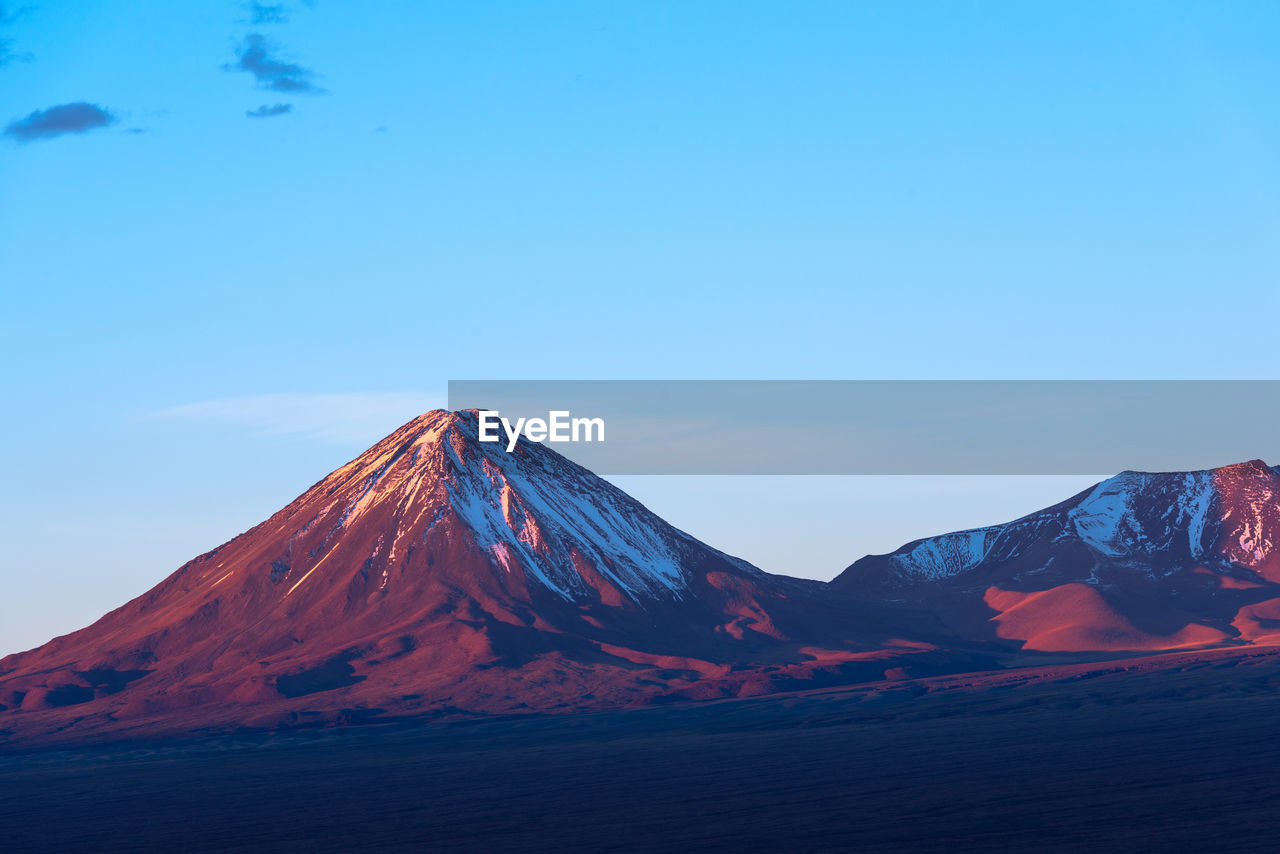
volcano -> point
(1139, 562)
(438, 575)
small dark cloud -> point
(380, 129)
(269, 111)
(267, 13)
(256, 56)
(77, 117)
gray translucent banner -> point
(898, 427)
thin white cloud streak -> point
(343, 418)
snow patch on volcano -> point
(947, 555)
(1106, 520)
(542, 509)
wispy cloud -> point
(257, 55)
(8, 15)
(267, 13)
(343, 418)
(77, 117)
(269, 111)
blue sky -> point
(589, 190)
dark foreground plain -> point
(1176, 753)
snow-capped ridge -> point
(1155, 522)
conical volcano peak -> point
(444, 441)
(432, 446)
(427, 430)
(437, 424)
(529, 520)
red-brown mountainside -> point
(435, 574)
(1140, 562)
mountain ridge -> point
(434, 574)
(438, 576)
(1139, 561)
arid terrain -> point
(1168, 753)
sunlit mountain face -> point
(1141, 561)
